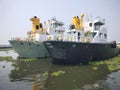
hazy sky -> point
(15, 14)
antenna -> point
(88, 17)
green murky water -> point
(43, 75)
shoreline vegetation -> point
(112, 64)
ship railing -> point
(72, 38)
(41, 38)
(60, 28)
(103, 28)
(100, 19)
(62, 37)
(18, 38)
(22, 39)
(55, 37)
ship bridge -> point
(98, 23)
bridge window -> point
(97, 27)
(55, 25)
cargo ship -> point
(84, 41)
(32, 45)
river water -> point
(39, 75)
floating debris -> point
(45, 74)
(95, 68)
(58, 73)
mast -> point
(81, 21)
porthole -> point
(21, 43)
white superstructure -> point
(92, 31)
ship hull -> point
(76, 53)
(27, 49)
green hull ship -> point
(32, 46)
(29, 49)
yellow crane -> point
(78, 22)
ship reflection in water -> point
(31, 71)
(39, 75)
